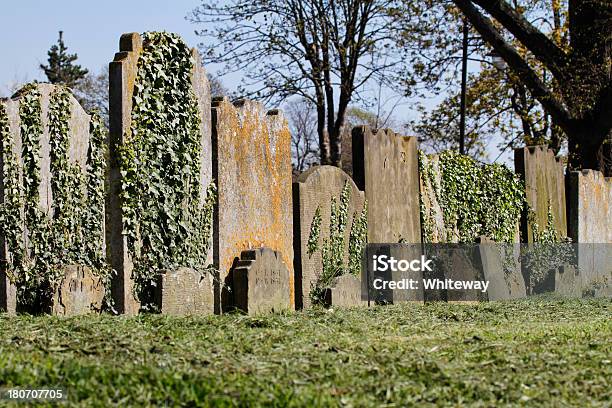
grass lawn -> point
(538, 351)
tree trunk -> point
(589, 147)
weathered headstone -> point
(544, 181)
(590, 227)
(505, 283)
(184, 292)
(385, 167)
(52, 161)
(123, 75)
(345, 293)
(79, 292)
(590, 207)
(252, 168)
(317, 199)
(260, 282)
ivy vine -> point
(333, 247)
(476, 199)
(164, 221)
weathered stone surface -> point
(122, 76)
(252, 167)
(590, 207)
(79, 292)
(385, 167)
(314, 190)
(503, 284)
(260, 282)
(544, 185)
(184, 292)
(345, 293)
(8, 295)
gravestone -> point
(8, 295)
(544, 181)
(252, 168)
(505, 283)
(123, 74)
(345, 293)
(63, 164)
(184, 292)
(260, 282)
(590, 207)
(80, 292)
(385, 166)
(313, 194)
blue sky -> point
(91, 29)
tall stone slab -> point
(123, 71)
(62, 120)
(385, 167)
(589, 200)
(313, 194)
(252, 168)
(544, 181)
(589, 207)
(260, 282)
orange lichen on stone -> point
(253, 175)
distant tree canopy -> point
(321, 50)
(61, 68)
(568, 70)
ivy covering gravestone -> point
(52, 214)
(166, 203)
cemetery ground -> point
(543, 350)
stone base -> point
(184, 292)
(260, 282)
(79, 292)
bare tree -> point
(321, 50)
(301, 115)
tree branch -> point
(537, 88)
(533, 39)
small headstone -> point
(317, 202)
(80, 292)
(184, 291)
(345, 293)
(260, 282)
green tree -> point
(61, 68)
(579, 98)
